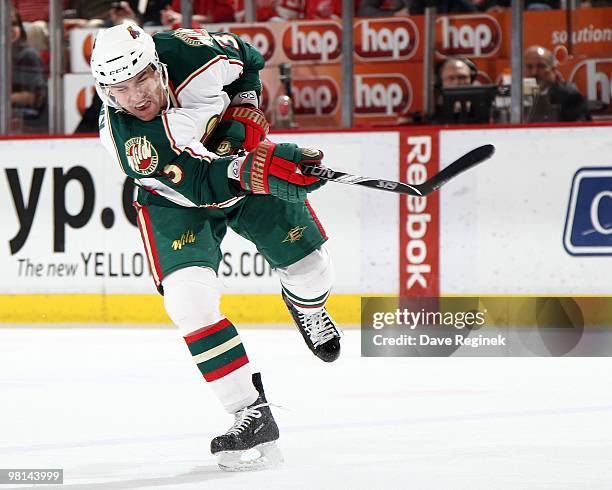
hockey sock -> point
(307, 282)
(221, 358)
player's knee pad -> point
(308, 281)
(191, 297)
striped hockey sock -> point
(221, 358)
(306, 305)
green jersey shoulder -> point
(190, 53)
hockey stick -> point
(467, 161)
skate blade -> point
(269, 455)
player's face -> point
(455, 73)
(142, 95)
(538, 66)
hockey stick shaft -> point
(467, 161)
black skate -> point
(254, 428)
(319, 331)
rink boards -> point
(535, 219)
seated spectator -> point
(539, 64)
(472, 106)
(28, 95)
(203, 11)
(417, 7)
(455, 71)
(383, 8)
(32, 10)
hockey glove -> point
(241, 127)
(274, 169)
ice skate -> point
(319, 331)
(250, 444)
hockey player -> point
(163, 97)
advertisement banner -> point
(419, 216)
(389, 54)
(69, 225)
(535, 219)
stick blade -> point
(463, 163)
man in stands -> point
(540, 64)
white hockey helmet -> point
(120, 53)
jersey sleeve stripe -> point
(173, 144)
(195, 154)
(202, 69)
(112, 136)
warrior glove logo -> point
(141, 155)
(588, 227)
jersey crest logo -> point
(141, 155)
(194, 37)
(294, 234)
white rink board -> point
(363, 245)
(502, 223)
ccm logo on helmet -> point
(386, 39)
(118, 70)
(469, 35)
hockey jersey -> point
(166, 157)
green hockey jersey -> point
(166, 156)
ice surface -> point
(125, 408)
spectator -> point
(463, 107)
(323, 9)
(539, 64)
(32, 10)
(383, 8)
(455, 71)
(204, 11)
(28, 95)
(417, 7)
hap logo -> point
(595, 75)
(313, 41)
(588, 226)
(260, 37)
(382, 95)
(477, 35)
(393, 39)
(315, 96)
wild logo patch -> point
(186, 238)
(294, 234)
(194, 37)
(141, 155)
